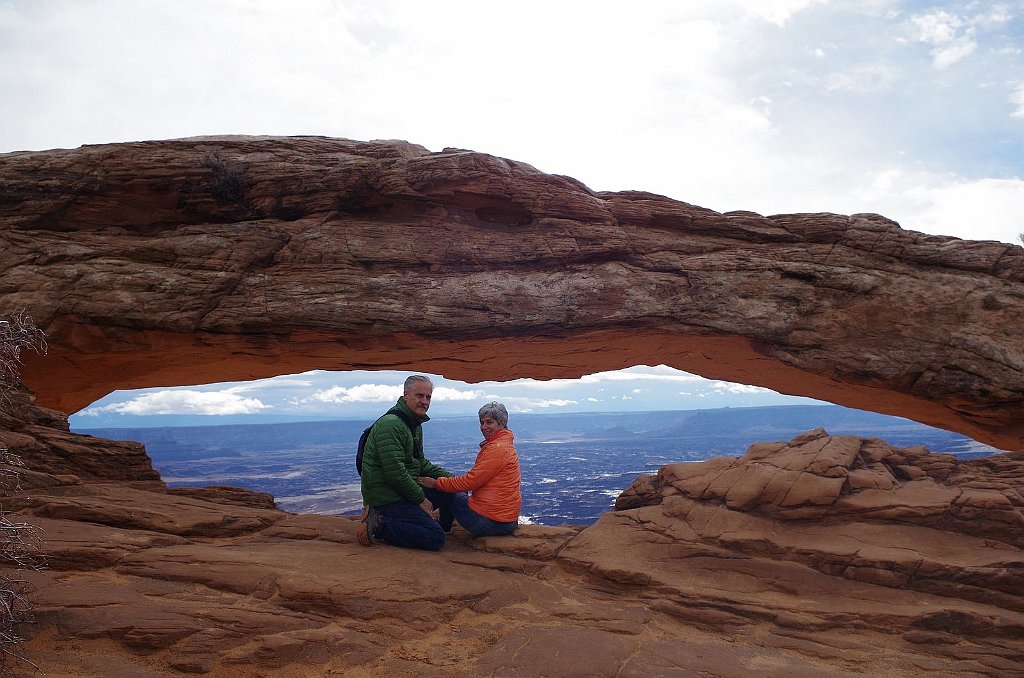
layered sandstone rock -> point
(785, 575)
(825, 479)
(232, 258)
(57, 455)
(855, 508)
(214, 259)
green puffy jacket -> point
(393, 459)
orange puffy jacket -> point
(493, 482)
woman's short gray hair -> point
(495, 411)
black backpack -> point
(366, 434)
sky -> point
(320, 395)
(912, 110)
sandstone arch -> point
(209, 259)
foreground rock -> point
(824, 556)
(224, 259)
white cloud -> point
(660, 373)
(363, 393)
(986, 209)
(942, 204)
(284, 382)
(1017, 99)
(952, 36)
(183, 401)
(553, 403)
(949, 54)
(937, 27)
(777, 12)
(380, 393)
(995, 15)
(863, 78)
(446, 393)
(523, 405)
(728, 387)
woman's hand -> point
(426, 482)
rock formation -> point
(216, 259)
(824, 556)
(201, 260)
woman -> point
(493, 505)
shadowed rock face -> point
(211, 259)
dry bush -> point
(19, 546)
(17, 333)
(19, 540)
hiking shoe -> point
(369, 526)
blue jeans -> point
(405, 524)
(474, 523)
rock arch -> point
(227, 258)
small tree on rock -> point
(19, 541)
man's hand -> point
(427, 507)
(426, 482)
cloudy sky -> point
(364, 395)
(914, 110)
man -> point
(397, 511)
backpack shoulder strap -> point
(404, 417)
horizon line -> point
(313, 419)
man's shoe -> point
(369, 525)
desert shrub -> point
(227, 184)
(19, 540)
(19, 546)
(17, 333)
